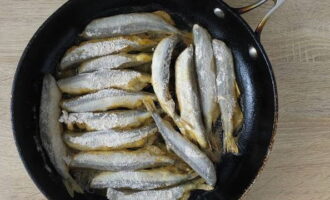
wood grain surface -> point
(297, 40)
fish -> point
(145, 68)
(160, 79)
(206, 76)
(115, 61)
(111, 139)
(51, 132)
(117, 119)
(180, 192)
(141, 179)
(160, 76)
(106, 99)
(163, 14)
(227, 94)
(94, 81)
(187, 95)
(97, 48)
(183, 148)
(127, 24)
(147, 157)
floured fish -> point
(227, 94)
(91, 121)
(161, 74)
(188, 96)
(111, 139)
(141, 179)
(116, 61)
(205, 68)
(160, 79)
(148, 157)
(94, 81)
(51, 131)
(106, 99)
(183, 148)
(127, 24)
(97, 48)
(181, 192)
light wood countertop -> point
(297, 40)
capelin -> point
(188, 97)
(97, 48)
(51, 132)
(111, 139)
(90, 82)
(117, 119)
(106, 99)
(227, 93)
(130, 24)
(147, 157)
(183, 148)
(116, 61)
(141, 179)
(173, 193)
(206, 76)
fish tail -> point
(214, 149)
(184, 127)
(150, 105)
(72, 186)
(205, 187)
(229, 144)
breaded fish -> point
(127, 24)
(206, 75)
(188, 96)
(51, 131)
(96, 48)
(180, 192)
(147, 157)
(116, 61)
(106, 99)
(227, 94)
(183, 148)
(110, 139)
(94, 81)
(105, 120)
(141, 179)
(160, 77)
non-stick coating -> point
(61, 30)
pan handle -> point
(261, 25)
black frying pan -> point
(253, 71)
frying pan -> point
(253, 70)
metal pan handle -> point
(261, 25)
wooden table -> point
(297, 40)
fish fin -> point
(185, 196)
(237, 118)
(150, 105)
(205, 187)
(229, 144)
(187, 37)
(165, 16)
(215, 148)
(72, 186)
(238, 92)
